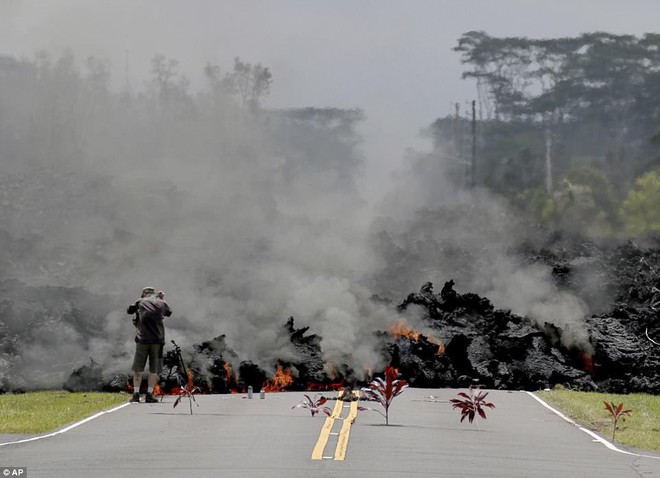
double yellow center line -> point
(342, 434)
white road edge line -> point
(64, 430)
(595, 436)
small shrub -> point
(314, 405)
(187, 391)
(472, 405)
(384, 391)
(616, 413)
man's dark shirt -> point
(151, 311)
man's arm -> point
(167, 311)
(133, 308)
(166, 308)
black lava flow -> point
(483, 346)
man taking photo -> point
(149, 311)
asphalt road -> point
(232, 436)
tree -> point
(98, 73)
(170, 88)
(591, 96)
(251, 83)
(599, 211)
(59, 96)
(164, 72)
(640, 209)
(498, 66)
(320, 140)
(597, 75)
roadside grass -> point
(639, 430)
(40, 412)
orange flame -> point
(190, 379)
(401, 329)
(439, 343)
(227, 368)
(281, 380)
(158, 390)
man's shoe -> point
(135, 398)
(149, 398)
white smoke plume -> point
(111, 184)
(438, 229)
(243, 216)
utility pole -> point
(459, 137)
(473, 163)
(548, 156)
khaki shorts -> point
(155, 354)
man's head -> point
(148, 291)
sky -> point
(393, 59)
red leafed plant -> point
(188, 391)
(383, 391)
(616, 412)
(472, 404)
(314, 405)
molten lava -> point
(587, 361)
(227, 368)
(401, 329)
(439, 343)
(317, 387)
(281, 380)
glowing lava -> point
(400, 329)
(281, 380)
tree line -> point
(58, 110)
(566, 128)
(82, 160)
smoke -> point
(432, 228)
(242, 216)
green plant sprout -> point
(616, 413)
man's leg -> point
(138, 366)
(137, 383)
(154, 365)
(152, 380)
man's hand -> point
(161, 294)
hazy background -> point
(391, 58)
(245, 221)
